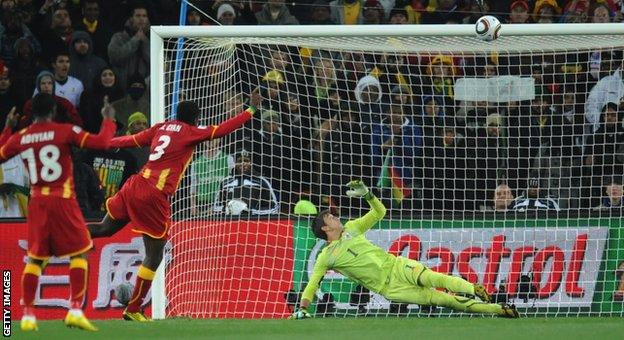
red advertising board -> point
(113, 261)
(230, 269)
(218, 269)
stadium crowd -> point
(328, 116)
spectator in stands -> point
(99, 29)
(13, 28)
(245, 190)
(104, 84)
(320, 13)
(273, 91)
(503, 198)
(604, 150)
(398, 16)
(443, 166)
(208, 170)
(135, 100)
(65, 85)
(245, 11)
(441, 78)
(7, 94)
(25, 68)
(281, 61)
(614, 195)
(446, 11)
(113, 167)
(274, 151)
(129, 49)
(485, 155)
(84, 64)
(14, 187)
(368, 94)
(393, 70)
(568, 123)
(396, 144)
(600, 13)
(274, 12)
(519, 12)
(475, 11)
(546, 11)
(56, 37)
(373, 13)
(136, 123)
(226, 15)
(65, 110)
(533, 199)
(89, 192)
(347, 12)
(342, 156)
(413, 9)
(321, 86)
(575, 12)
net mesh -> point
(499, 162)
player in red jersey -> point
(55, 223)
(143, 201)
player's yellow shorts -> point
(403, 286)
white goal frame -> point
(157, 79)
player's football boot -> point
(136, 316)
(509, 311)
(482, 294)
(29, 323)
(76, 319)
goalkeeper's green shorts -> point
(403, 285)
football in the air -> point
(123, 293)
(488, 28)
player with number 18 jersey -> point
(56, 226)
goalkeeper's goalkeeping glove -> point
(301, 313)
(358, 189)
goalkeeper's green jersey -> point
(354, 256)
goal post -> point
(455, 95)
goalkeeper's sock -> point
(78, 269)
(30, 282)
(431, 279)
(141, 287)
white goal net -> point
(499, 162)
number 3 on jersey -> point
(51, 170)
(159, 150)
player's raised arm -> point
(141, 139)
(377, 212)
(320, 268)
(9, 147)
(11, 122)
(228, 126)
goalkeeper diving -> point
(397, 278)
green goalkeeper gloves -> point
(358, 189)
(301, 313)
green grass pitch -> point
(592, 328)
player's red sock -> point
(78, 270)
(141, 287)
(30, 282)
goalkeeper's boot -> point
(76, 319)
(482, 294)
(29, 323)
(509, 312)
(135, 316)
